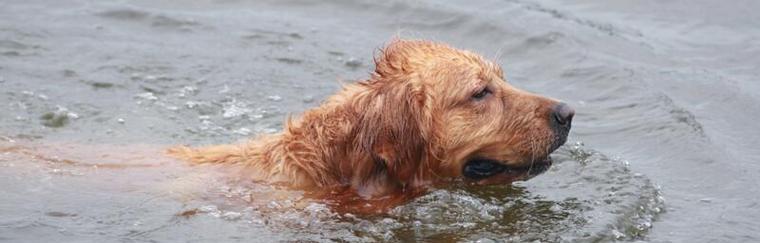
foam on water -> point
(586, 196)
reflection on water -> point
(584, 196)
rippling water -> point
(663, 147)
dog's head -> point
(435, 111)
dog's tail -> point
(217, 154)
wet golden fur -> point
(413, 123)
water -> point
(662, 149)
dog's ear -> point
(391, 130)
(394, 60)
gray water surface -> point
(663, 148)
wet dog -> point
(428, 114)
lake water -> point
(663, 148)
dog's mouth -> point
(485, 171)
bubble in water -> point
(617, 234)
(58, 118)
(232, 215)
(208, 208)
(242, 131)
(191, 104)
(147, 96)
(187, 90)
(273, 205)
(235, 108)
(485, 240)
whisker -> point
(532, 153)
(498, 55)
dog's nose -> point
(563, 114)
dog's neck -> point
(327, 146)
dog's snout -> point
(562, 115)
(560, 118)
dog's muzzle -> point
(560, 120)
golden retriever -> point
(428, 114)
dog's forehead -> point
(433, 63)
(463, 70)
(467, 63)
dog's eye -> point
(481, 94)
